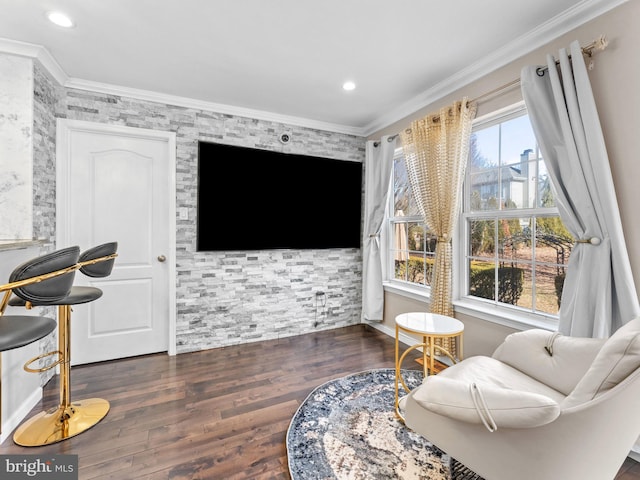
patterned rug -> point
(346, 429)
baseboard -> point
(634, 454)
(19, 415)
(407, 340)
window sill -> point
(420, 294)
(490, 313)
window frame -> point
(511, 316)
(390, 220)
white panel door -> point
(118, 184)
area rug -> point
(346, 429)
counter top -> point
(6, 245)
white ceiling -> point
(286, 60)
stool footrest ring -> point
(27, 368)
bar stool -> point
(68, 418)
(47, 278)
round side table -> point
(432, 327)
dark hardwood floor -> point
(220, 414)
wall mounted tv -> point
(254, 199)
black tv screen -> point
(254, 199)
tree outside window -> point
(517, 248)
(513, 245)
(412, 245)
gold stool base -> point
(60, 423)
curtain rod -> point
(599, 44)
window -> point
(515, 246)
(412, 246)
(512, 247)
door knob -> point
(161, 258)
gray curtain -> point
(599, 294)
(377, 174)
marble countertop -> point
(18, 244)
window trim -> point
(511, 313)
(467, 306)
(387, 234)
(509, 316)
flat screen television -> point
(254, 199)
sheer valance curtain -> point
(377, 174)
(599, 293)
(435, 149)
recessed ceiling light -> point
(60, 19)
(348, 86)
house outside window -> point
(516, 248)
(512, 249)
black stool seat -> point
(76, 296)
(79, 295)
(20, 330)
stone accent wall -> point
(45, 93)
(226, 298)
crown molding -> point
(568, 20)
(23, 49)
(38, 52)
(151, 96)
(536, 38)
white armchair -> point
(542, 407)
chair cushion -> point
(20, 330)
(46, 292)
(507, 408)
(76, 296)
(489, 371)
(562, 370)
(100, 269)
(618, 357)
